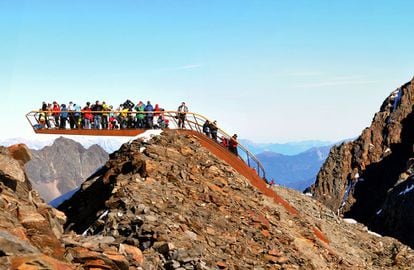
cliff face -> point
(169, 203)
(63, 166)
(30, 230)
(360, 178)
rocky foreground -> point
(169, 203)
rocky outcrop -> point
(396, 216)
(360, 178)
(169, 203)
(63, 166)
(29, 228)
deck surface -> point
(92, 132)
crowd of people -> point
(101, 115)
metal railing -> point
(48, 120)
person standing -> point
(105, 114)
(213, 130)
(206, 128)
(150, 117)
(182, 111)
(87, 116)
(77, 115)
(63, 116)
(72, 121)
(56, 113)
(140, 108)
(233, 144)
(44, 110)
(50, 117)
(97, 115)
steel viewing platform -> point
(193, 122)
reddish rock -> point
(118, 259)
(20, 152)
(134, 252)
(271, 258)
(38, 261)
(274, 252)
(266, 233)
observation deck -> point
(42, 123)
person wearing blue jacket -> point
(63, 116)
(149, 116)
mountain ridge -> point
(369, 178)
(288, 148)
(184, 207)
(294, 171)
(63, 166)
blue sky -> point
(271, 71)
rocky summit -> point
(63, 166)
(170, 203)
(371, 179)
(179, 201)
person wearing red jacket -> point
(87, 116)
(56, 113)
(233, 144)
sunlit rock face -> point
(63, 166)
(366, 179)
(171, 203)
(30, 230)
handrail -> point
(193, 121)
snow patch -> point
(397, 100)
(349, 220)
(104, 214)
(308, 194)
(346, 194)
(85, 233)
(374, 233)
(407, 189)
(147, 135)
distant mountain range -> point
(294, 171)
(289, 148)
(63, 166)
(109, 144)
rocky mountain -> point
(295, 171)
(371, 179)
(109, 144)
(63, 166)
(30, 230)
(181, 201)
